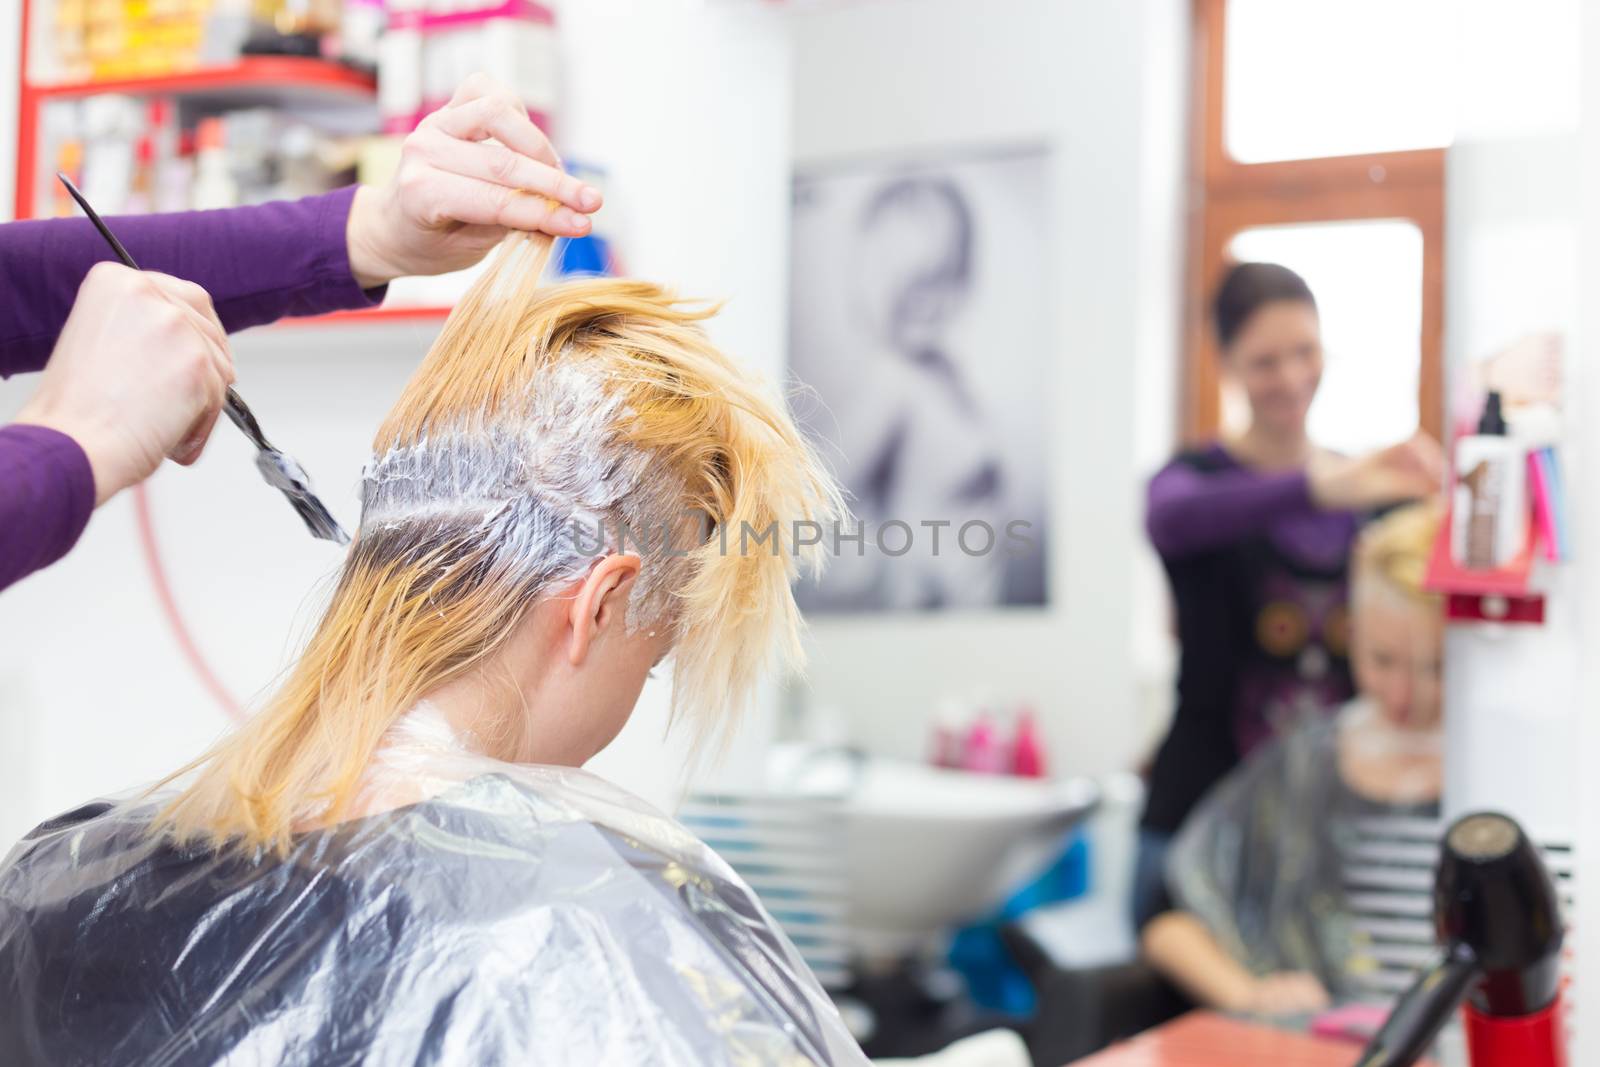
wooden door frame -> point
(1226, 196)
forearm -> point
(46, 496)
(1191, 512)
(259, 264)
(1179, 946)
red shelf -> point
(253, 80)
(281, 81)
(370, 316)
(282, 77)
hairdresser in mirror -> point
(136, 362)
(1255, 532)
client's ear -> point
(601, 601)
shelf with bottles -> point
(91, 42)
(194, 104)
(249, 81)
(1506, 509)
(118, 87)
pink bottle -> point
(984, 752)
(1027, 751)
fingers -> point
(499, 164)
(1419, 463)
(500, 116)
(215, 375)
(475, 85)
(1431, 457)
(1423, 457)
(482, 109)
(195, 302)
(480, 203)
(194, 442)
(1290, 994)
(216, 343)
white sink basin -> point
(927, 848)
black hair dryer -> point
(1495, 912)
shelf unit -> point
(414, 313)
(252, 81)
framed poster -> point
(921, 335)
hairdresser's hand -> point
(1284, 993)
(471, 171)
(139, 372)
(1410, 470)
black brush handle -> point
(239, 412)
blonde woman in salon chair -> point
(1258, 921)
(398, 859)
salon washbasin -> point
(915, 849)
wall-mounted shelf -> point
(287, 82)
(253, 79)
(369, 316)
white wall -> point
(1521, 241)
(1511, 247)
(689, 110)
(1585, 391)
(1102, 84)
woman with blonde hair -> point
(1258, 920)
(397, 859)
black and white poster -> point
(922, 338)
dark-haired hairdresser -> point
(1255, 533)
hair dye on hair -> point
(599, 405)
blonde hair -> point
(536, 406)
(1392, 553)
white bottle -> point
(213, 186)
(1490, 505)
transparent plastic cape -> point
(1263, 859)
(476, 912)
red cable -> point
(169, 607)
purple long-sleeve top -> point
(1258, 577)
(258, 263)
(1193, 511)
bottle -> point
(69, 161)
(1489, 505)
(947, 739)
(213, 179)
(1027, 750)
(983, 752)
(140, 199)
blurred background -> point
(978, 243)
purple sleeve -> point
(258, 263)
(1193, 511)
(46, 495)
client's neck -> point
(497, 708)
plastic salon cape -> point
(511, 915)
(1265, 859)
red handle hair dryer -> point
(1495, 911)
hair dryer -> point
(1495, 911)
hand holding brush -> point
(138, 374)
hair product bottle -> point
(1490, 494)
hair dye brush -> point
(280, 471)
(1495, 910)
